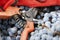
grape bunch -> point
(48, 26)
(10, 29)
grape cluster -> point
(11, 29)
(48, 27)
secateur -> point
(7, 10)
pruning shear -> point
(30, 14)
(29, 27)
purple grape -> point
(45, 19)
(18, 38)
(54, 20)
(37, 38)
(49, 37)
(8, 38)
(56, 38)
(48, 24)
(44, 37)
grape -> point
(4, 38)
(48, 24)
(36, 28)
(40, 28)
(23, 11)
(42, 14)
(37, 38)
(53, 14)
(49, 37)
(44, 31)
(3, 27)
(10, 34)
(55, 38)
(58, 28)
(40, 22)
(32, 33)
(5, 23)
(44, 37)
(12, 31)
(36, 31)
(56, 8)
(45, 9)
(8, 38)
(19, 32)
(53, 28)
(47, 15)
(18, 38)
(39, 35)
(36, 34)
(32, 38)
(54, 20)
(22, 7)
(50, 33)
(41, 32)
(13, 38)
(26, 8)
(38, 17)
(45, 19)
(4, 32)
(58, 14)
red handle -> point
(34, 3)
(28, 28)
(10, 2)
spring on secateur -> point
(20, 23)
